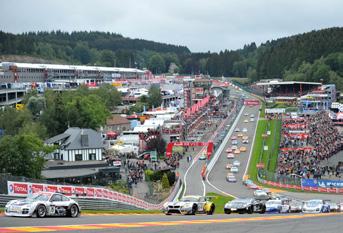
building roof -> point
(117, 120)
(277, 82)
(70, 67)
(75, 138)
(51, 174)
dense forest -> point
(312, 56)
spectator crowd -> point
(305, 143)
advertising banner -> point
(25, 188)
(314, 183)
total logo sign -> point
(17, 188)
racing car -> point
(315, 206)
(244, 205)
(277, 206)
(43, 204)
(190, 205)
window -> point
(56, 197)
(92, 156)
(78, 157)
(64, 198)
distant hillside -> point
(93, 48)
(279, 55)
(311, 56)
(28, 59)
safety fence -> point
(91, 195)
(299, 183)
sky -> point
(201, 25)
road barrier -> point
(294, 183)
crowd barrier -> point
(23, 189)
(314, 185)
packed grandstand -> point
(306, 143)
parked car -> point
(252, 119)
(246, 121)
(244, 205)
(237, 130)
(244, 130)
(315, 206)
(43, 204)
(190, 205)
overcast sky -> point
(201, 25)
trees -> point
(23, 155)
(157, 143)
(156, 64)
(36, 104)
(109, 95)
(155, 97)
(107, 58)
(83, 108)
(165, 181)
(11, 120)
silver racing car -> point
(43, 204)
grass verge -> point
(219, 201)
(257, 147)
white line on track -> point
(220, 150)
(252, 146)
(196, 159)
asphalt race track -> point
(160, 223)
(218, 174)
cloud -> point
(201, 25)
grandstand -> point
(286, 90)
(11, 72)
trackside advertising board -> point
(314, 183)
(24, 189)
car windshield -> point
(313, 203)
(189, 199)
(273, 202)
(38, 197)
(239, 202)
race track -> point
(177, 223)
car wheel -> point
(194, 209)
(227, 211)
(263, 209)
(41, 211)
(211, 211)
(250, 210)
(73, 211)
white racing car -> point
(43, 204)
(189, 205)
(315, 206)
